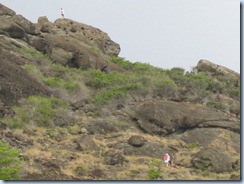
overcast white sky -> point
(164, 33)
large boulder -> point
(113, 157)
(15, 82)
(90, 35)
(42, 20)
(11, 28)
(136, 140)
(100, 126)
(213, 160)
(148, 149)
(43, 45)
(27, 25)
(6, 11)
(166, 117)
(207, 66)
(85, 143)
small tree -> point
(9, 163)
(154, 171)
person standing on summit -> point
(62, 12)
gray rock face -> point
(6, 11)
(90, 35)
(213, 160)
(15, 82)
(85, 143)
(11, 28)
(207, 66)
(113, 158)
(136, 141)
(27, 25)
(164, 117)
(43, 45)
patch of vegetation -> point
(216, 105)
(81, 170)
(234, 93)
(37, 110)
(154, 171)
(9, 163)
(31, 53)
(203, 172)
(64, 77)
(193, 145)
(107, 95)
(121, 62)
(140, 79)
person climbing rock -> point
(166, 159)
(62, 12)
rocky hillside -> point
(71, 109)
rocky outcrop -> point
(43, 45)
(74, 44)
(9, 27)
(85, 143)
(138, 128)
(136, 141)
(164, 117)
(15, 82)
(27, 25)
(89, 35)
(6, 11)
(113, 157)
(213, 160)
(207, 66)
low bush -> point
(154, 171)
(9, 163)
(216, 105)
(193, 145)
(30, 53)
(37, 110)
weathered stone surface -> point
(42, 20)
(27, 25)
(100, 127)
(9, 26)
(15, 82)
(47, 27)
(43, 45)
(213, 160)
(207, 66)
(90, 35)
(165, 117)
(85, 143)
(149, 149)
(113, 157)
(137, 141)
(6, 11)
(60, 56)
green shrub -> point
(30, 53)
(107, 95)
(154, 171)
(32, 69)
(214, 104)
(166, 85)
(121, 62)
(234, 93)
(9, 163)
(53, 81)
(193, 145)
(38, 110)
(81, 170)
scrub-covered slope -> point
(71, 109)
